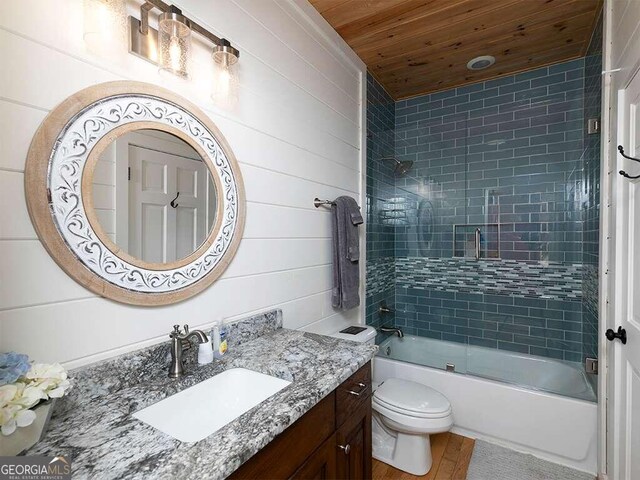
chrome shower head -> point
(401, 168)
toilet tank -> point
(357, 333)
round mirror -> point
(153, 197)
(135, 193)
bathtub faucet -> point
(394, 330)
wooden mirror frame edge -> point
(35, 178)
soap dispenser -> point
(219, 339)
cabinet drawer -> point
(352, 393)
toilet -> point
(405, 414)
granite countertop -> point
(94, 425)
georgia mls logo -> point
(59, 466)
(35, 468)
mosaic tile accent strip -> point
(497, 277)
(380, 275)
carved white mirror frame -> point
(58, 186)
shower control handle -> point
(621, 334)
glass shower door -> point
(433, 192)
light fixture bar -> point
(144, 17)
(142, 46)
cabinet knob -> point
(345, 448)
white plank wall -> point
(296, 131)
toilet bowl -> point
(405, 414)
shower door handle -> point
(477, 244)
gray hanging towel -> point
(346, 217)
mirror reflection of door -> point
(154, 196)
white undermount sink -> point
(198, 411)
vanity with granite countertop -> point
(317, 426)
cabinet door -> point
(321, 465)
(353, 444)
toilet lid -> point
(411, 397)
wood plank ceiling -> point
(414, 47)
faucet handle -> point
(186, 329)
(176, 331)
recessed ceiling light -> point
(479, 63)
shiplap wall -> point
(296, 131)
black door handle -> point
(620, 334)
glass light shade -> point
(225, 80)
(104, 26)
(174, 44)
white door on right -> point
(624, 401)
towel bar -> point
(317, 202)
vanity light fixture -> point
(225, 82)
(174, 43)
(170, 46)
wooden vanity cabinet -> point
(353, 426)
(321, 465)
(356, 432)
(331, 441)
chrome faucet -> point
(394, 330)
(179, 343)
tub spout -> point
(395, 330)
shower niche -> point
(476, 241)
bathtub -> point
(532, 404)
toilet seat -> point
(409, 413)
(412, 408)
(403, 423)
(412, 399)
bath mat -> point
(492, 462)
